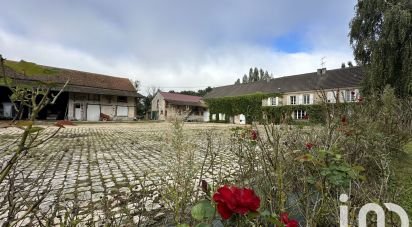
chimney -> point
(321, 71)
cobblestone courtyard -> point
(93, 169)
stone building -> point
(169, 106)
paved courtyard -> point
(101, 170)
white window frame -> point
(306, 99)
(292, 99)
(299, 114)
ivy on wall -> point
(249, 105)
(314, 113)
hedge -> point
(249, 105)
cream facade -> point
(313, 97)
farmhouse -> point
(169, 106)
(88, 96)
(332, 86)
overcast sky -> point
(181, 44)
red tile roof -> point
(182, 99)
(81, 81)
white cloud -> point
(179, 44)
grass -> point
(403, 171)
(30, 69)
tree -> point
(255, 74)
(250, 79)
(261, 74)
(343, 65)
(244, 79)
(267, 75)
(381, 38)
(237, 81)
(350, 64)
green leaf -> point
(252, 215)
(203, 210)
(265, 213)
(203, 225)
(183, 225)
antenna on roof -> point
(322, 62)
(322, 70)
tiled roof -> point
(181, 99)
(81, 81)
(337, 78)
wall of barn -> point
(109, 105)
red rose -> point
(234, 200)
(284, 218)
(306, 117)
(253, 134)
(309, 146)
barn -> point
(87, 97)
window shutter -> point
(311, 99)
(300, 99)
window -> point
(292, 100)
(350, 95)
(299, 114)
(274, 101)
(306, 99)
(121, 99)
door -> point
(206, 116)
(77, 112)
(7, 110)
(93, 112)
(242, 119)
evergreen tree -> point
(255, 74)
(381, 38)
(250, 75)
(343, 65)
(244, 79)
(261, 74)
(350, 64)
(237, 81)
(267, 75)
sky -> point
(180, 44)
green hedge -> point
(316, 113)
(249, 105)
